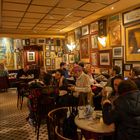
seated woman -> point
(36, 90)
(125, 113)
(109, 93)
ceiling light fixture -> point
(112, 8)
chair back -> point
(55, 118)
(60, 136)
(4, 82)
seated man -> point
(24, 72)
(82, 88)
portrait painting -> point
(133, 43)
(115, 34)
(94, 28)
(84, 48)
(77, 33)
(94, 59)
(71, 58)
(7, 52)
(94, 41)
(48, 61)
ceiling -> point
(54, 16)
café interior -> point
(46, 48)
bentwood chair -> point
(60, 136)
(55, 118)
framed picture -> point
(94, 59)
(94, 41)
(52, 48)
(59, 54)
(94, 28)
(53, 61)
(84, 48)
(71, 58)
(133, 43)
(48, 61)
(127, 67)
(31, 56)
(47, 54)
(32, 41)
(117, 52)
(105, 58)
(77, 33)
(131, 16)
(47, 48)
(115, 34)
(65, 58)
(85, 30)
(118, 62)
(41, 40)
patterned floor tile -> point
(13, 124)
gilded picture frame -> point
(132, 43)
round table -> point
(94, 128)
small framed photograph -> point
(65, 58)
(71, 58)
(47, 48)
(53, 61)
(47, 54)
(32, 41)
(48, 61)
(31, 56)
(59, 54)
(127, 67)
(41, 41)
(85, 30)
(105, 58)
(117, 52)
(52, 48)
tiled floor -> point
(13, 125)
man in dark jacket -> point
(125, 113)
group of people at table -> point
(119, 97)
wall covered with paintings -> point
(110, 40)
(16, 53)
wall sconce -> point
(71, 46)
(102, 41)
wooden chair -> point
(4, 83)
(45, 104)
(55, 118)
(22, 91)
(59, 136)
